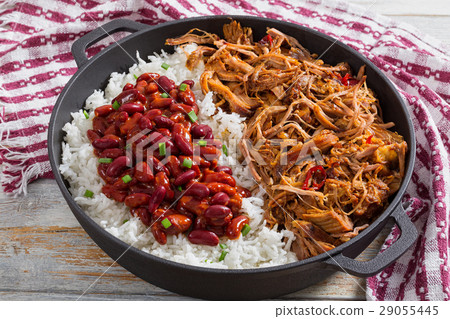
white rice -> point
(262, 247)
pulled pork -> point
(314, 138)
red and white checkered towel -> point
(35, 64)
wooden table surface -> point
(46, 255)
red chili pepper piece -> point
(311, 174)
(369, 139)
(267, 39)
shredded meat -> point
(314, 138)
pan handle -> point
(371, 267)
(79, 46)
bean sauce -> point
(151, 162)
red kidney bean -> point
(180, 224)
(173, 164)
(221, 187)
(244, 192)
(122, 117)
(162, 121)
(126, 96)
(127, 87)
(193, 205)
(156, 198)
(184, 146)
(149, 77)
(216, 212)
(131, 108)
(182, 108)
(103, 110)
(151, 114)
(203, 237)
(145, 123)
(130, 123)
(160, 102)
(234, 228)
(92, 135)
(178, 117)
(197, 190)
(159, 234)
(166, 84)
(165, 132)
(143, 172)
(151, 88)
(157, 165)
(174, 93)
(105, 142)
(187, 96)
(235, 203)
(219, 198)
(137, 199)
(200, 130)
(118, 166)
(112, 153)
(209, 152)
(161, 179)
(201, 162)
(178, 129)
(220, 177)
(99, 125)
(225, 169)
(140, 86)
(185, 177)
(189, 82)
(143, 215)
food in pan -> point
(314, 139)
(305, 137)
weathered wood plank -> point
(44, 253)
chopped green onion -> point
(223, 246)
(125, 221)
(165, 66)
(222, 255)
(165, 95)
(187, 163)
(105, 160)
(164, 115)
(135, 76)
(166, 223)
(192, 116)
(86, 115)
(245, 230)
(202, 142)
(116, 105)
(183, 87)
(162, 149)
(126, 179)
(225, 149)
(180, 188)
(88, 193)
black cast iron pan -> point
(229, 284)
